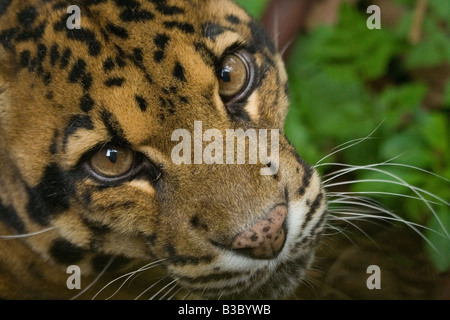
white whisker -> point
(400, 195)
(149, 288)
(186, 295)
(95, 280)
(128, 276)
(359, 229)
(175, 293)
(172, 283)
(347, 145)
(19, 236)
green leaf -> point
(399, 102)
(411, 148)
(433, 50)
(447, 94)
(254, 7)
(435, 131)
(440, 254)
(353, 50)
(441, 9)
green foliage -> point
(254, 7)
(439, 247)
(333, 101)
(347, 80)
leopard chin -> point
(234, 275)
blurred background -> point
(390, 85)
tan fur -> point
(185, 215)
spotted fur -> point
(136, 71)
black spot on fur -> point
(182, 26)
(237, 111)
(4, 4)
(129, 15)
(86, 81)
(198, 224)
(120, 62)
(54, 145)
(65, 252)
(50, 197)
(312, 209)
(158, 56)
(117, 31)
(7, 36)
(132, 12)
(178, 72)
(92, 2)
(41, 52)
(67, 53)
(32, 34)
(162, 7)
(260, 39)
(207, 55)
(60, 5)
(142, 103)
(108, 65)
(54, 54)
(25, 60)
(171, 106)
(114, 128)
(162, 103)
(60, 24)
(77, 70)
(10, 218)
(114, 82)
(161, 41)
(301, 191)
(27, 16)
(87, 37)
(47, 78)
(86, 103)
(306, 179)
(233, 19)
(171, 250)
(212, 30)
(137, 57)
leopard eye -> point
(112, 161)
(234, 77)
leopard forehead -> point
(134, 70)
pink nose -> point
(265, 239)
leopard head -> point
(154, 132)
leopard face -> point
(87, 123)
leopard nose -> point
(265, 239)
